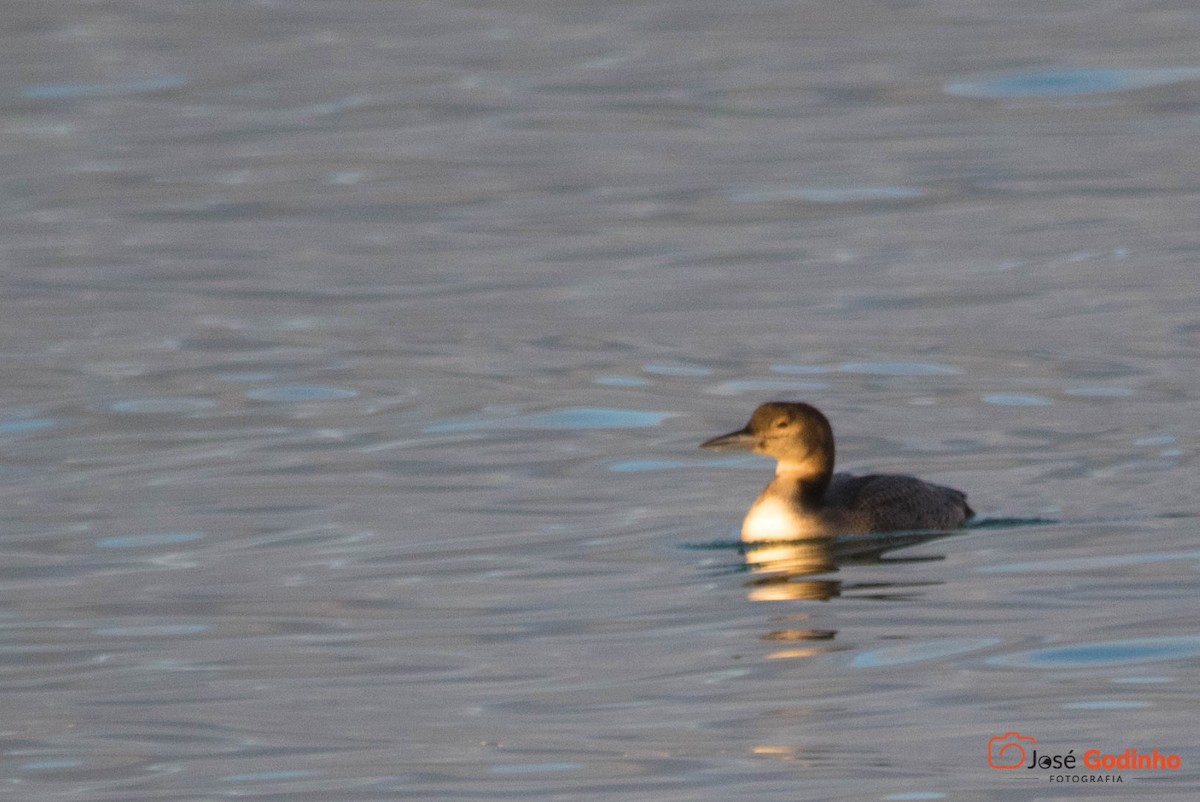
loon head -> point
(795, 434)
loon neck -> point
(805, 481)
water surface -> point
(357, 354)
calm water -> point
(356, 355)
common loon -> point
(807, 499)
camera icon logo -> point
(1007, 751)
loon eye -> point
(782, 423)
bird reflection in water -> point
(800, 571)
(791, 571)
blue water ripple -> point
(1155, 440)
(115, 89)
(828, 194)
(1016, 400)
(534, 768)
(799, 370)
(143, 541)
(162, 406)
(569, 418)
(1100, 392)
(636, 465)
(677, 370)
(152, 630)
(621, 381)
(1097, 563)
(920, 652)
(26, 425)
(1111, 704)
(246, 376)
(741, 386)
(899, 368)
(300, 392)
(267, 776)
(1068, 82)
(1105, 653)
(49, 765)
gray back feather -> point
(892, 502)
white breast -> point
(775, 519)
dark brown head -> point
(795, 434)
